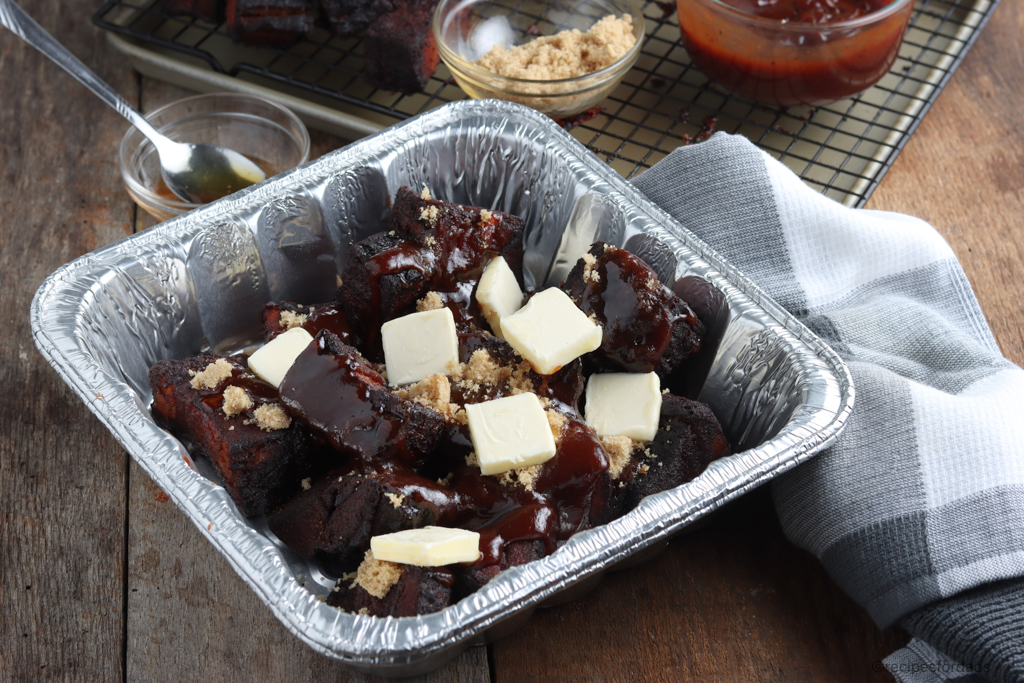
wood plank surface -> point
(101, 579)
(62, 508)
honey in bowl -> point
(794, 52)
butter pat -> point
(624, 403)
(509, 433)
(498, 294)
(431, 546)
(550, 331)
(271, 362)
(419, 345)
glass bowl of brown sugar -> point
(559, 58)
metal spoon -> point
(197, 173)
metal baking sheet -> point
(200, 281)
(842, 149)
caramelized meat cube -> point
(400, 52)
(466, 237)
(384, 277)
(336, 517)
(418, 590)
(281, 316)
(237, 423)
(348, 17)
(340, 397)
(276, 23)
(207, 10)
(689, 438)
(469, 580)
(646, 326)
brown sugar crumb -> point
(396, 499)
(520, 382)
(290, 319)
(307, 483)
(430, 214)
(567, 54)
(472, 460)
(271, 416)
(364, 611)
(431, 302)
(376, 577)
(484, 369)
(589, 274)
(486, 215)
(212, 375)
(618, 448)
(433, 392)
(429, 240)
(524, 476)
(557, 421)
(425, 195)
(236, 401)
(653, 284)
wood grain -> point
(61, 473)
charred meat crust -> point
(260, 469)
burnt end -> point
(384, 277)
(689, 438)
(469, 579)
(576, 480)
(420, 590)
(348, 17)
(260, 469)
(341, 398)
(207, 10)
(330, 317)
(400, 52)
(275, 23)
(646, 327)
(335, 518)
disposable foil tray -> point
(200, 281)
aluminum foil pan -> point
(200, 281)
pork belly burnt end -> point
(689, 438)
(384, 277)
(646, 327)
(335, 518)
(341, 398)
(281, 316)
(348, 17)
(467, 237)
(260, 468)
(416, 590)
(207, 10)
(400, 52)
(275, 23)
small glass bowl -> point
(267, 133)
(792, 63)
(465, 30)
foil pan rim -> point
(395, 645)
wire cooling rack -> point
(842, 150)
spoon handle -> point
(25, 27)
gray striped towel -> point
(918, 511)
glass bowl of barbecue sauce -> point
(794, 52)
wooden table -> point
(103, 579)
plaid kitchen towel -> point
(922, 497)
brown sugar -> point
(430, 214)
(431, 302)
(557, 421)
(377, 577)
(567, 54)
(618, 448)
(212, 375)
(396, 499)
(290, 319)
(524, 476)
(271, 416)
(434, 391)
(236, 401)
(589, 274)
